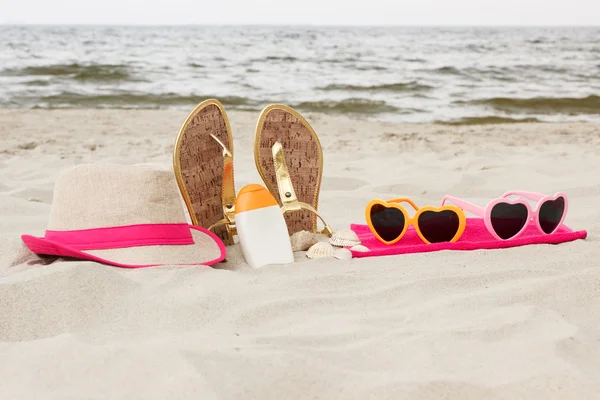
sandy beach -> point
(519, 323)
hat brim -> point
(207, 249)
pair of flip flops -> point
(287, 153)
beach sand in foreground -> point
(502, 324)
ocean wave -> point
(349, 106)
(128, 100)
(412, 86)
(369, 67)
(37, 82)
(511, 73)
(79, 72)
(337, 60)
(542, 105)
(132, 100)
(519, 69)
(487, 120)
(446, 71)
(275, 58)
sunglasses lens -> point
(508, 219)
(551, 213)
(387, 222)
(438, 226)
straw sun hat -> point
(127, 216)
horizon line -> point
(449, 25)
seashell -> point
(320, 250)
(343, 238)
(343, 254)
(359, 247)
(303, 240)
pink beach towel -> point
(475, 237)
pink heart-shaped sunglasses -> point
(506, 219)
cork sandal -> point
(289, 159)
(203, 165)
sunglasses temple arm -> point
(529, 195)
(404, 200)
(465, 205)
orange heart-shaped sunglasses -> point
(389, 221)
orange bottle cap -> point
(252, 197)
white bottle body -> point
(264, 237)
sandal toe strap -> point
(286, 189)
(228, 189)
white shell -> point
(360, 247)
(303, 240)
(344, 238)
(343, 254)
(320, 250)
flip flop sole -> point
(303, 156)
(199, 166)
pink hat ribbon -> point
(123, 236)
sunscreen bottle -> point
(261, 228)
